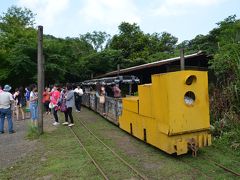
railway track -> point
(100, 169)
(222, 167)
(97, 165)
(210, 161)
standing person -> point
(116, 91)
(27, 96)
(46, 99)
(101, 93)
(69, 96)
(20, 103)
(78, 92)
(63, 107)
(63, 100)
(54, 99)
(33, 104)
(6, 100)
(14, 105)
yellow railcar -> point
(171, 113)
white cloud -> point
(193, 2)
(47, 10)
(109, 12)
(180, 7)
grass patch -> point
(229, 141)
(32, 132)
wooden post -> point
(182, 61)
(40, 78)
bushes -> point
(225, 95)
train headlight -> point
(189, 98)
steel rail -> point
(120, 158)
(94, 162)
(223, 167)
(216, 164)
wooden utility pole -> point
(182, 61)
(40, 78)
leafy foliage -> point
(96, 39)
(18, 46)
(135, 44)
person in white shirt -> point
(78, 92)
(6, 100)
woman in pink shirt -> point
(54, 99)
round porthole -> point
(191, 79)
(189, 98)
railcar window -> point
(189, 98)
(191, 79)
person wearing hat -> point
(5, 109)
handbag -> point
(51, 105)
(63, 107)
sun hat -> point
(7, 88)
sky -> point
(182, 18)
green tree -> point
(97, 39)
(134, 44)
(102, 62)
(130, 40)
(18, 45)
(62, 58)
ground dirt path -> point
(14, 147)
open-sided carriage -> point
(112, 107)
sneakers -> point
(70, 125)
(65, 123)
(78, 111)
(56, 123)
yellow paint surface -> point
(162, 114)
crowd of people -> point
(14, 104)
(55, 99)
